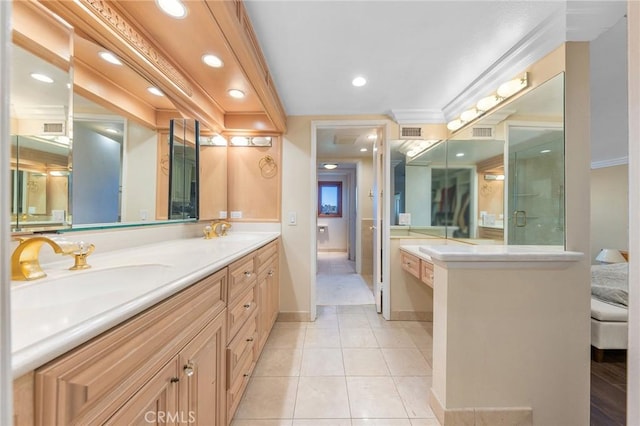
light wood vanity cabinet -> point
(142, 366)
(426, 272)
(186, 360)
(411, 264)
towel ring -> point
(268, 166)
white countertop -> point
(51, 316)
(499, 253)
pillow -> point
(610, 283)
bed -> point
(609, 299)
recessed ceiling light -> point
(235, 93)
(363, 149)
(372, 137)
(330, 166)
(359, 81)
(155, 91)
(41, 77)
(173, 8)
(111, 130)
(110, 57)
(544, 151)
(213, 61)
(460, 154)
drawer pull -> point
(247, 306)
(247, 273)
(250, 339)
(188, 369)
(175, 380)
(270, 273)
(245, 375)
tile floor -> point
(337, 282)
(350, 367)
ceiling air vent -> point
(53, 128)
(482, 132)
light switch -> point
(143, 214)
(237, 214)
(293, 218)
(222, 214)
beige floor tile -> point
(428, 355)
(324, 323)
(425, 422)
(374, 398)
(322, 398)
(322, 362)
(326, 309)
(290, 324)
(406, 362)
(364, 362)
(268, 398)
(353, 321)
(420, 337)
(380, 422)
(358, 338)
(393, 338)
(322, 422)
(322, 338)
(254, 422)
(414, 392)
(350, 309)
(278, 363)
(286, 338)
(376, 320)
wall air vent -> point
(410, 132)
(53, 128)
(482, 132)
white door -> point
(378, 184)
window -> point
(329, 199)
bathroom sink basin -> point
(113, 284)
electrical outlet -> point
(236, 214)
(143, 214)
(293, 218)
(222, 214)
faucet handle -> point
(225, 227)
(80, 256)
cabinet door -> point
(202, 387)
(273, 285)
(264, 315)
(156, 403)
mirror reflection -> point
(40, 101)
(501, 180)
(183, 169)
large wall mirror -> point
(499, 181)
(78, 161)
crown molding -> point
(586, 20)
(548, 35)
(415, 116)
(610, 163)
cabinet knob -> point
(270, 273)
(245, 375)
(247, 274)
(250, 339)
(247, 306)
(189, 370)
(175, 380)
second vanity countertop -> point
(492, 253)
(53, 315)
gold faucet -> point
(223, 226)
(25, 263)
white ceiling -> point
(422, 58)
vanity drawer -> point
(240, 348)
(237, 387)
(240, 311)
(426, 272)
(242, 275)
(411, 264)
(264, 255)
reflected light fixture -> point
(363, 149)
(173, 8)
(545, 151)
(111, 130)
(155, 91)
(110, 57)
(493, 177)
(329, 166)
(239, 141)
(359, 81)
(454, 125)
(212, 61)
(460, 154)
(610, 256)
(235, 93)
(469, 115)
(372, 137)
(485, 104)
(41, 77)
(512, 87)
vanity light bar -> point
(504, 92)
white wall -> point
(139, 173)
(418, 194)
(609, 209)
(609, 122)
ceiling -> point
(417, 56)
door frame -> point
(385, 232)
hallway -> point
(348, 368)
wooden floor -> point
(609, 390)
